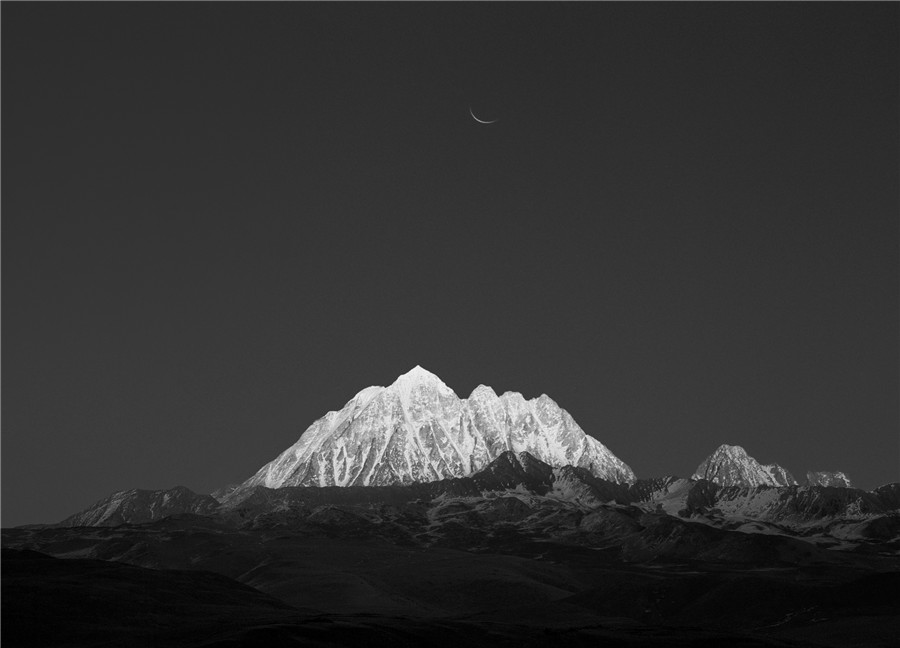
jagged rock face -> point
(731, 466)
(139, 506)
(418, 430)
(825, 478)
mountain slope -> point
(826, 478)
(419, 430)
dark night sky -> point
(221, 221)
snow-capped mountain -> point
(730, 465)
(419, 430)
(826, 478)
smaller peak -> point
(485, 390)
(515, 468)
(518, 460)
(526, 458)
(509, 456)
(828, 478)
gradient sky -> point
(221, 221)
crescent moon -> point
(481, 121)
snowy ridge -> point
(138, 506)
(419, 430)
(798, 503)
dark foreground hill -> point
(51, 602)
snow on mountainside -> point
(419, 430)
(731, 466)
(826, 478)
(137, 506)
(798, 503)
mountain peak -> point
(417, 374)
(483, 391)
(418, 384)
(730, 465)
(419, 430)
